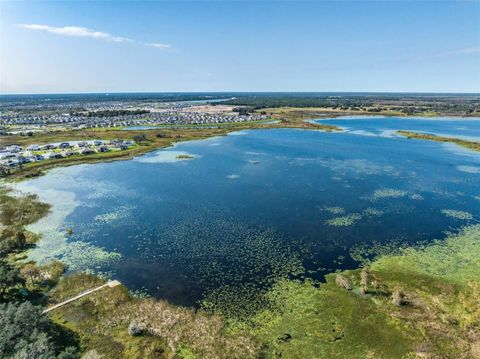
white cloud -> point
(75, 31)
(158, 45)
(78, 31)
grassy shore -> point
(420, 302)
(160, 137)
(471, 145)
(423, 302)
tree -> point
(23, 333)
(31, 272)
(9, 278)
(139, 138)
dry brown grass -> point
(166, 328)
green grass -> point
(101, 320)
(471, 145)
(440, 319)
(296, 319)
(440, 281)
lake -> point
(258, 205)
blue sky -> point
(121, 46)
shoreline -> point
(341, 294)
(169, 135)
(398, 299)
(154, 140)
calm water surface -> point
(260, 205)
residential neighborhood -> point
(15, 119)
(15, 156)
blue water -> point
(259, 205)
(465, 128)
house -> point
(48, 147)
(14, 148)
(31, 158)
(87, 151)
(11, 163)
(5, 155)
(52, 155)
(33, 148)
(23, 159)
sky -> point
(173, 46)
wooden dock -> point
(110, 284)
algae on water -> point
(344, 221)
(457, 214)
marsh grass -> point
(102, 320)
(471, 145)
(439, 317)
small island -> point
(184, 157)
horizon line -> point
(239, 92)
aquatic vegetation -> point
(184, 157)
(423, 297)
(81, 256)
(222, 255)
(457, 214)
(305, 321)
(416, 197)
(334, 210)
(121, 213)
(388, 193)
(139, 294)
(364, 254)
(344, 221)
(455, 258)
(357, 166)
(239, 302)
(372, 212)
